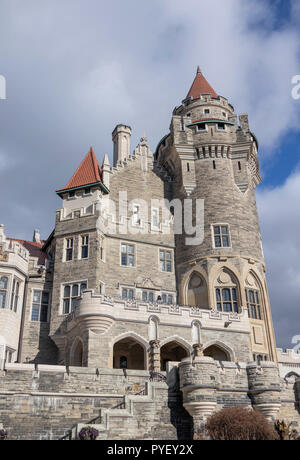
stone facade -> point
(154, 260)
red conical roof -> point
(201, 86)
(88, 172)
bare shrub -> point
(240, 424)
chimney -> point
(36, 236)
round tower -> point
(212, 157)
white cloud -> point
(280, 222)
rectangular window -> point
(227, 300)
(253, 304)
(221, 236)
(206, 111)
(165, 260)
(14, 300)
(201, 127)
(39, 309)
(85, 247)
(127, 294)
(221, 126)
(3, 291)
(71, 294)
(69, 248)
(127, 255)
(155, 217)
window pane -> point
(123, 248)
(83, 286)
(35, 313)
(130, 294)
(67, 291)
(233, 294)
(219, 307)
(253, 311)
(124, 259)
(217, 230)
(3, 282)
(168, 255)
(225, 241)
(45, 297)
(258, 312)
(73, 304)
(75, 290)
(164, 298)
(226, 294)
(131, 249)
(144, 296)
(130, 261)
(84, 252)
(66, 306)
(235, 307)
(251, 297)
(170, 299)
(227, 307)
(217, 241)
(169, 266)
(2, 299)
(124, 293)
(36, 296)
(224, 230)
(69, 254)
(161, 255)
(151, 297)
(44, 313)
(162, 266)
(218, 295)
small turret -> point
(121, 139)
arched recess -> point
(129, 350)
(197, 293)
(227, 291)
(292, 377)
(76, 353)
(193, 289)
(174, 349)
(218, 351)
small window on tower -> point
(214, 165)
(221, 236)
(206, 111)
(221, 126)
(202, 127)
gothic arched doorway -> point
(76, 358)
(172, 351)
(129, 354)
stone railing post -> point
(155, 355)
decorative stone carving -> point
(155, 355)
(3, 254)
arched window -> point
(197, 291)
(3, 291)
(253, 297)
(227, 295)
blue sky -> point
(77, 68)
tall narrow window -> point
(221, 236)
(214, 164)
(227, 299)
(69, 248)
(165, 260)
(253, 304)
(3, 291)
(85, 247)
(39, 310)
(102, 255)
(188, 167)
(14, 301)
(71, 294)
(127, 255)
(127, 294)
(155, 217)
(239, 166)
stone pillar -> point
(264, 388)
(198, 383)
(155, 355)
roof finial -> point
(198, 69)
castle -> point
(155, 265)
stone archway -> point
(197, 293)
(172, 351)
(128, 353)
(217, 353)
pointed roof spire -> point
(201, 86)
(87, 173)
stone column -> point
(155, 356)
(198, 383)
(264, 388)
